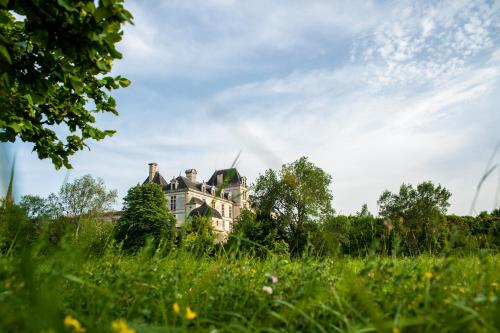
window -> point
(173, 203)
(223, 225)
(222, 210)
(230, 210)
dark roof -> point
(185, 183)
(157, 179)
(230, 177)
(182, 182)
(205, 210)
(195, 200)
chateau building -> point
(226, 192)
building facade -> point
(226, 193)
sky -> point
(374, 93)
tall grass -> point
(92, 280)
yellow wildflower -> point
(190, 314)
(395, 330)
(462, 290)
(494, 285)
(428, 275)
(69, 321)
(176, 308)
(253, 270)
(120, 326)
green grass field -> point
(225, 294)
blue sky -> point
(375, 93)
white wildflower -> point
(267, 289)
(272, 277)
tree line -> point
(291, 214)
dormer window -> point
(203, 187)
(212, 190)
(173, 184)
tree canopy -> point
(295, 196)
(145, 214)
(424, 201)
(54, 57)
(85, 196)
(416, 214)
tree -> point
(85, 196)
(145, 215)
(418, 215)
(54, 57)
(295, 196)
(33, 205)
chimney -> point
(220, 178)
(191, 175)
(153, 168)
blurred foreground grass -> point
(152, 293)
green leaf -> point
(123, 82)
(101, 64)
(4, 3)
(77, 84)
(5, 54)
(64, 3)
(28, 98)
(15, 127)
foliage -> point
(256, 236)
(17, 231)
(33, 205)
(425, 201)
(54, 57)
(418, 215)
(145, 214)
(295, 197)
(85, 196)
(197, 235)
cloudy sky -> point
(375, 93)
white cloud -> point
(199, 38)
(428, 43)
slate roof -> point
(205, 210)
(195, 201)
(157, 179)
(230, 177)
(184, 183)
